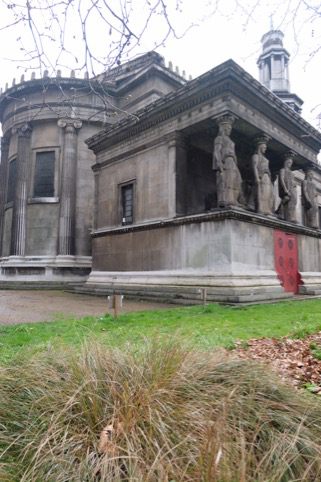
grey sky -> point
(226, 29)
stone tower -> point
(273, 66)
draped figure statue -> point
(287, 190)
(264, 198)
(310, 203)
(228, 177)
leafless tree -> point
(90, 35)
(96, 35)
(87, 36)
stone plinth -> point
(43, 271)
(224, 255)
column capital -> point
(67, 123)
(177, 138)
(24, 130)
(225, 118)
(289, 154)
(261, 138)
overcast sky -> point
(223, 33)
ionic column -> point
(66, 242)
(5, 142)
(18, 230)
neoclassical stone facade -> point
(210, 192)
(46, 180)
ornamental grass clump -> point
(162, 414)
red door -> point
(286, 260)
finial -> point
(86, 75)
(33, 75)
(13, 82)
(45, 74)
(6, 86)
(271, 22)
(58, 74)
(170, 65)
(72, 74)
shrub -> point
(159, 415)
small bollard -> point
(203, 293)
(115, 302)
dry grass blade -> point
(162, 414)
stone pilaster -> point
(5, 142)
(96, 199)
(177, 153)
(18, 230)
(66, 242)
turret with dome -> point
(273, 66)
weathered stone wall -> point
(309, 254)
(215, 247)
(42, 229)
(149, 170)
(144, 92)
(43, 214)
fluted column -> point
(18, 231)
(66, 242)
(5, 142)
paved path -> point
(32, 306)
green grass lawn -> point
(204, 327)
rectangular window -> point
(12, 177)
(44, 179)
(127, 204)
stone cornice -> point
(106, 87)
(38, 85)
(226, 78)
(212, 216)
(51, 106)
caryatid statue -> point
(288, 190)
(264, 197)
(228, 177)
(310, 203)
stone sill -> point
(43, 200)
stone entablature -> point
(226, 79)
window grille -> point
(127, 200)
(44, 178)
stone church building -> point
(210, 191)
(46, 180)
